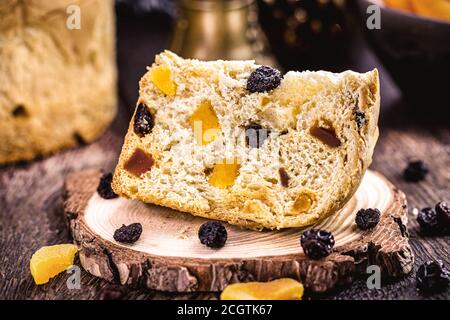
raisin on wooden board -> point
(104, 187)
(367, 218)
(212, 234)
(128, 234)
(317, 244)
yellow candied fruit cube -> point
(162, 78)
(49, 261)
(205, 123)
(281, 289)
(224, 174)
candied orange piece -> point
(281, 289)
(162, 78)
(224, 174)
(205, 123)
(49, 261)
(303, 203)
(439, 9)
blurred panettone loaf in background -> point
(57, 84)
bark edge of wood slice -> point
(169, 256)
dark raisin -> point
(212, 234)
(427, 219)
(326, 135)
(284, 177)
(432, 276)
(79, 139)
(20, 112)
(128, 234)
(208, 171)
(415, 171)
(104, 187)
(360, 118)
(264, 79)
(143, 121)
(111, 292)
(367, 218)
(316, 243)
(255, 135)
(443, 214)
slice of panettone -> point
(238, 142)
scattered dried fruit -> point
(161, 77)
(443, 214)
(284, 177)
(143, 121)
(367, 218)
(104, 187)
(432, 276)
(415, 171)
(128, 234)
(326, 135)
(427, 219)
(212, 234)
(224, 174)
(112, 292)
(205, 124)
(281, 289)
(139, 163)
(255, 135)
(316, 243)
(435, 221)
(48, 262)
(263, 79)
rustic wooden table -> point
(31, 194)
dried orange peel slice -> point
(438, 9)
(48, 262)
(281, 289)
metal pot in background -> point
(219, 29)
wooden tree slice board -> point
(169, 256)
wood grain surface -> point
(31, 195)
(169, 257)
